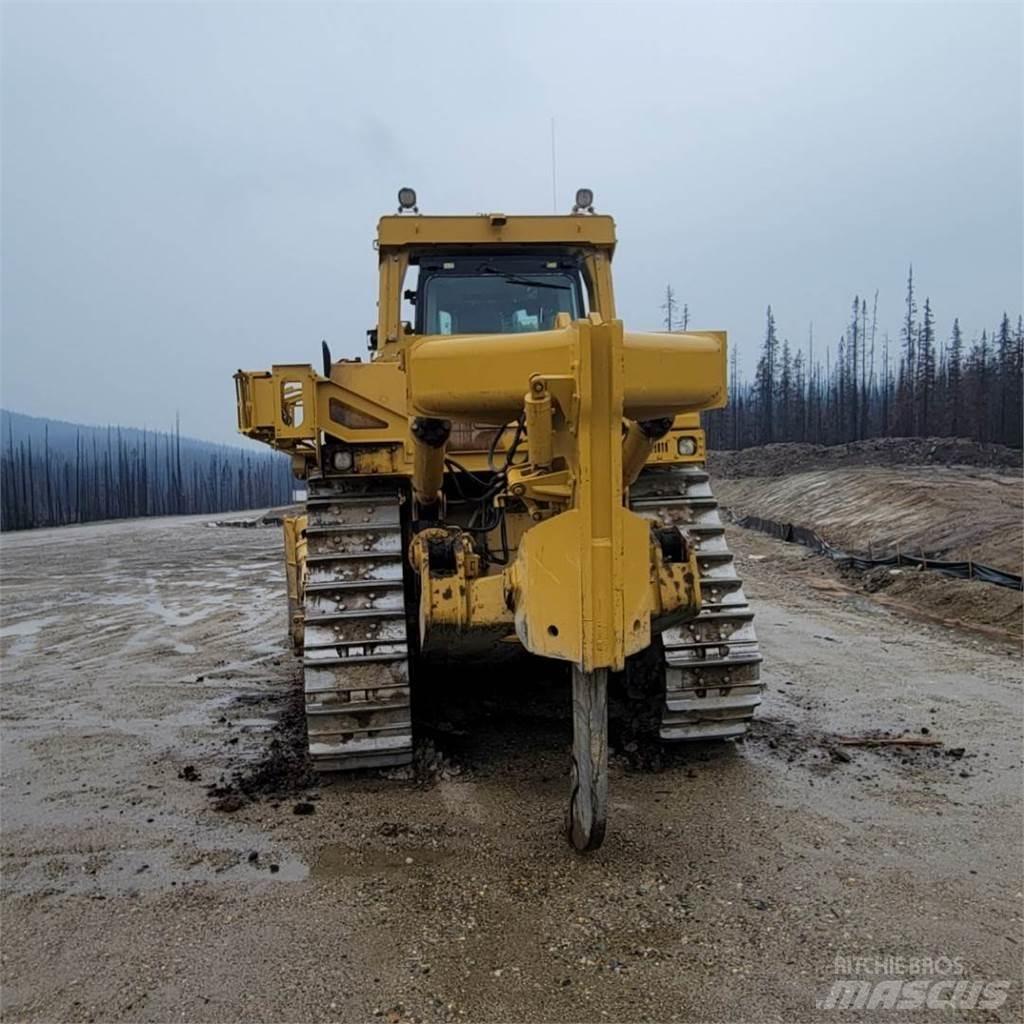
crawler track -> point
(711, 666)
(355, 655)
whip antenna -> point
(554, 188)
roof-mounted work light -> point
(584, 201)
(407, 200)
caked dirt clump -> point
(283, 770)
(824, 752)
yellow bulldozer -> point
(509, 469)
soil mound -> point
(783, 459)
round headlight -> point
(687, 446)
(342, 460)
(406, 198)
(584, 198)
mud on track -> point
(144, 662)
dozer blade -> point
(588, 802)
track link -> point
(355, 653)
(712, 664)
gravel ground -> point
(143, 662)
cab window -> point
(496, 298)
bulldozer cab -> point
(497, 293)
(489, 274)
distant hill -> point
(54, 472)
(62, 435)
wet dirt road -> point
(142, 661)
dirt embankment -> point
(879, 494)
(783, 459)
(945, 511)
(948, 498)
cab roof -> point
(399, 231)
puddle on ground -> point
(255, 724)
(26, 627)
(337, 861)
(23, 634)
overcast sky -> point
(192, 188)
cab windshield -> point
(496, 297)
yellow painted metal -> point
(605, 539)
(599, 283)
(385, 461)
(675, 589)
(537, 488)
(483, 377)
(295, 574)
(292, 406)
(404, 232)
(277, 402)
(461, 604)
(537, 405)
(459, 600)
(456, 605)
(393, 266)
(427, 471)
(581, 580)
(587, 582)
(636, 449)
(667, 450)
(380, 383)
